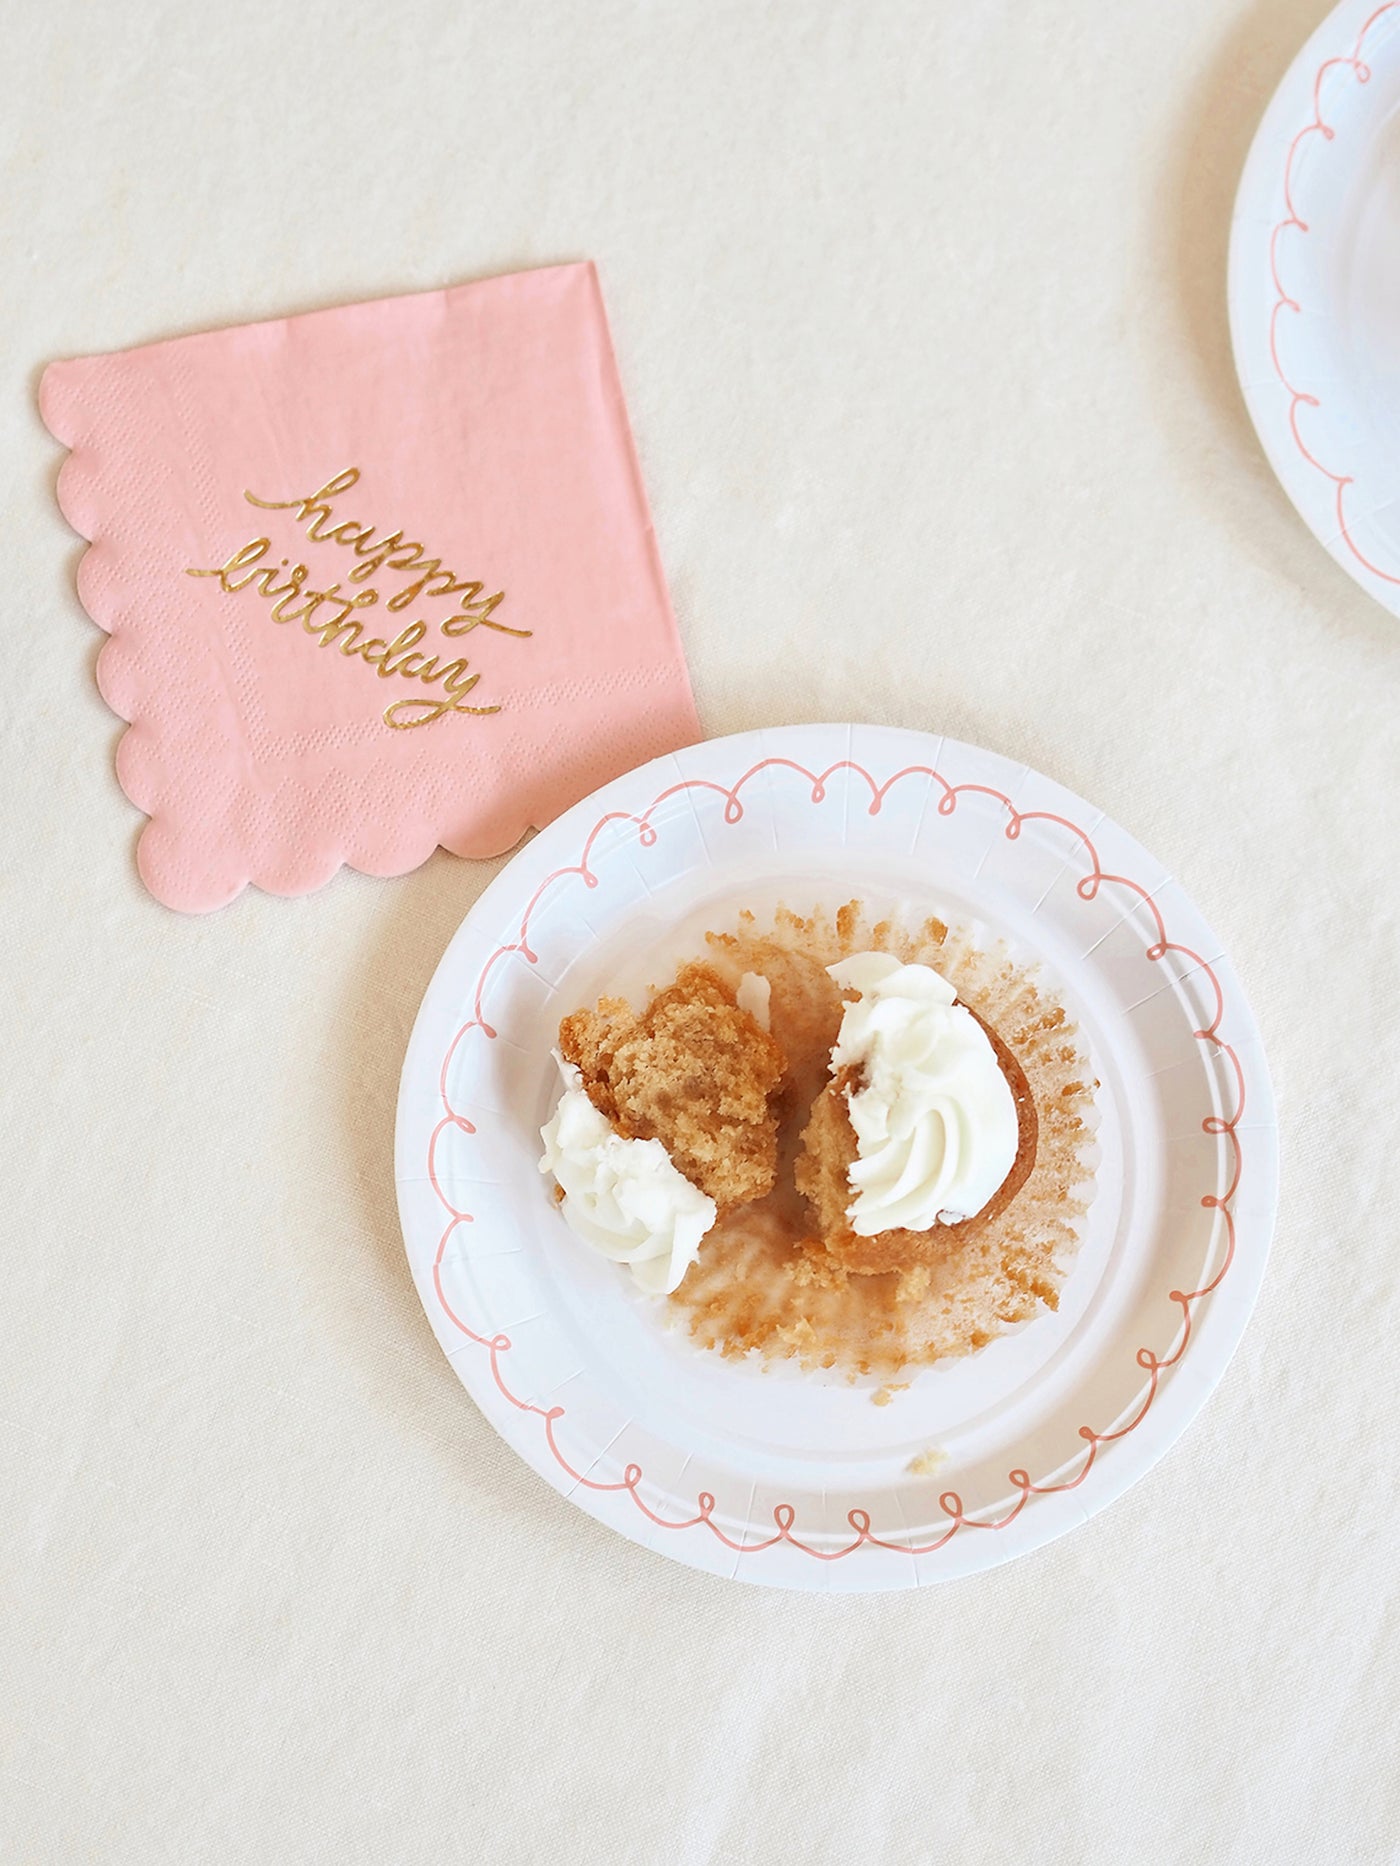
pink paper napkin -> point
(376, 578)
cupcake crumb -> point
(927, 1462)
(885, 1394)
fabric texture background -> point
(919, 314)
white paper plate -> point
(1315, 289)
(782, 1477)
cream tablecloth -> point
(920, 315)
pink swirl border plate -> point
(1265, 298)
(494, 1347)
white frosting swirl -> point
(624, 1197)
(935, 1120)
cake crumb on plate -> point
(927, 1462)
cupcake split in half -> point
(670, 1119)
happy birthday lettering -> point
(329, 616)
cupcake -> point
(852, 1143)
(926, 1123)
(668, 1120)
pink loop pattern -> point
(497, 1346)
(1283, 299)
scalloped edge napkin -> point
(375, 578)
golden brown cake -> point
(694, 1071)
(756, 1123)
(828, 1149)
